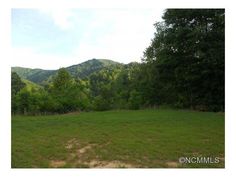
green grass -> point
(145, 138)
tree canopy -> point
(187, 57)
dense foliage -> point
(186, 59)
(183, 67)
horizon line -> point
(75, 64)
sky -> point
(54, 38)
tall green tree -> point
(101, 89)
(67, 93)
(16, 85)
(23, 101)
(187, 55)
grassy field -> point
(123, 139)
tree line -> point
(184, 67)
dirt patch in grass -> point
(57, 163)
(72, 143)
(69, 146)
(172, 164)
(108, 164)
(85, 149)
(78, 156)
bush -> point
(101, 104)
(135, 100)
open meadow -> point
(118, 139)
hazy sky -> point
(53, 38)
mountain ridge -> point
(81, 70)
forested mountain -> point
(84, 69)
(80, 71)
(33, 75)
(184, 67)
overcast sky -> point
(53, 38)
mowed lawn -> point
(119, 139)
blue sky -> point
(53, 38)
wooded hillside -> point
(184, 67)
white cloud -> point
(120, 35)
(130, 33)
(60, 17)
(26, 57)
